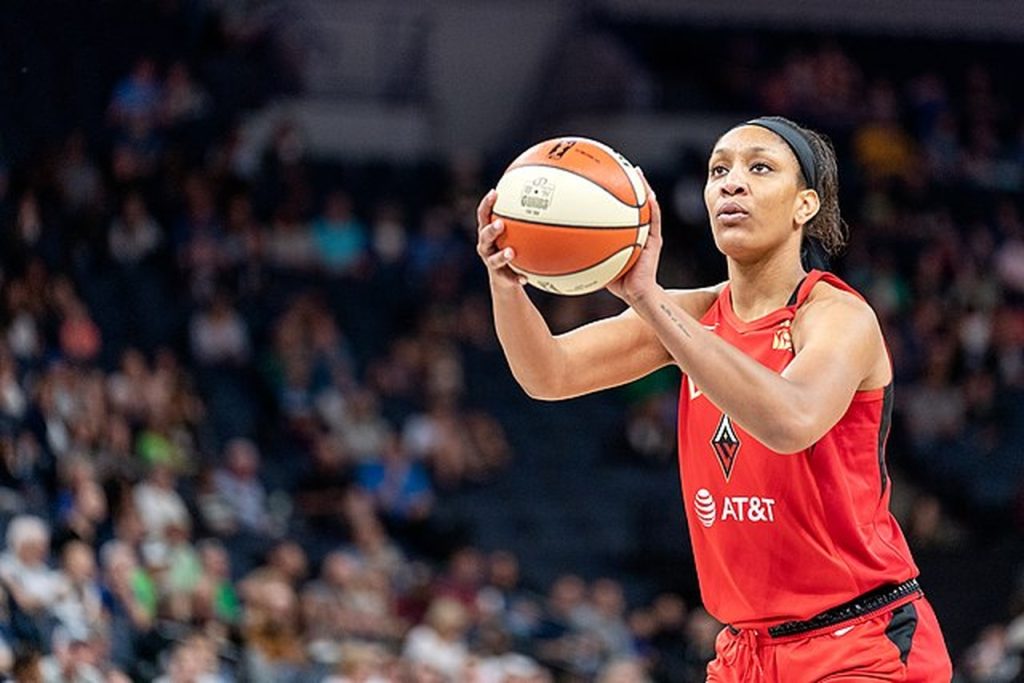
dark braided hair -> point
(827, 226)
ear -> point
(807, 206)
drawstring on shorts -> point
(740, 653)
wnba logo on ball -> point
(704, 504)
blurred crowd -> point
(231, 397)
(236, 389)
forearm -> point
(764, 403)
(532, 352)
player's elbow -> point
(547, 391)
(541, 395)
(540, 387)
(792, 434)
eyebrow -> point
(753, 150)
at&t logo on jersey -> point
(734, 508)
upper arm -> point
(613, 351)
(839, 351)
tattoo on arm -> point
(675, 319)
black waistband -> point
(870, 602)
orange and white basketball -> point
(575, 212)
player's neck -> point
(758, 288)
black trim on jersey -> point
(900, 630)
(796, 292)
(883, 433)
(868, 603)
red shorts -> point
(896, 644)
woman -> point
(784, 411)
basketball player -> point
(783, 415)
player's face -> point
(754, 194)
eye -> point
(718, 171)
(760, 167)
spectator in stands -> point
(158, 504)
(183, 101)
(463, 579)
(80, 338)
(34, 588)
(361, 426)
(499, 596)
(274, 651)
(239, 487)
(216, 568)
(286, 563)
(72, 660)
(86, 514)
(189, 663)
(134, 235)
(557, 643)
(129, 597)
(989, 659)
(80, 609)
(373, 549)
(137, 96)
(440, 641)
(219, 334)
(320, 492)
(623, 671)
(603, 616)
(290, 245)
(339, 237)
(400, 487)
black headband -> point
(797, 142)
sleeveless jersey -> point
(781, 537)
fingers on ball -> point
(500, 258)
(483, 210)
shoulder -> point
(826, 301)
(696, 302)
(839, 315)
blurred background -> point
(254, 422)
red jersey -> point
(784, 537)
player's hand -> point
(641, 279)
(495, 259)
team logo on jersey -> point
(726, 445)
(783, 339)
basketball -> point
(575, 212)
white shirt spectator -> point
(425, 645)
(440, 641)
(36, 582)
(23, 568)
(159, 507)
(219, 335)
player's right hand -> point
(495, 259)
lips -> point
(731, 212)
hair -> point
(25, 528)
(827, 227)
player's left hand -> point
(642, 278)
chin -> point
(738, 247)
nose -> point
(734, 184)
